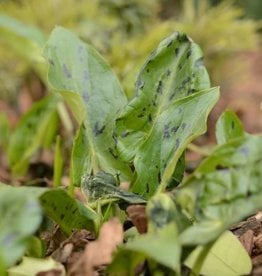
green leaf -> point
(58, 163)
(80, 160)
(35, 247)
(226, 257)
(25, 40)
(66, 211)
(162, 210)
(5, 130)
(33, 266)
(228, 127)
(163, 246)
(224, 189)
(157, 156)
(69, 213)
(169, 110)
(32, 132)
(20, 217)
(125, 262)
(96, 98)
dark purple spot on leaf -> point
(180, 66)
(111, 151)
(80, 49)
(74, 210)
(149, 118)
(140, 83)
(85, 96)
(62, 216)
(182, 38)
(114, 138)
(177, 144)
(199, 62)
(147, 188)
(85, 75)
(185, 81)
(159, 177)
(8, 239)
(66, 71)
(141, 115)
(244, 151)
(125, 134)
(166, 131)
(159, 87)
(97, 130)
(174, 129)
(232, 124)
(147, 70)
(176, 51)
(188, 54)
(191, 90)
(169, 43)
(183, 126)
(172, 96)
(51, 62)
(168, 73)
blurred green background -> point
(126, 31)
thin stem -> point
(198, 150)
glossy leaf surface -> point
(224, 189)
(93, 92)
(170, 109)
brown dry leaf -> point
(137, 213)
(99, 253)
(53, 272)
(247, 240)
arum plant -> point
(143, 142)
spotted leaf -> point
(93, 92)
(170, 109)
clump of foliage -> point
(142, 141)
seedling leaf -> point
(228, 127)
(32, 132)
(169, 110)
(69, 213)
(226, 257)
(224, 189)
(96, 98)
(20, 217)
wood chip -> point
(137, 214)
(247, 240)
(98, 253)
